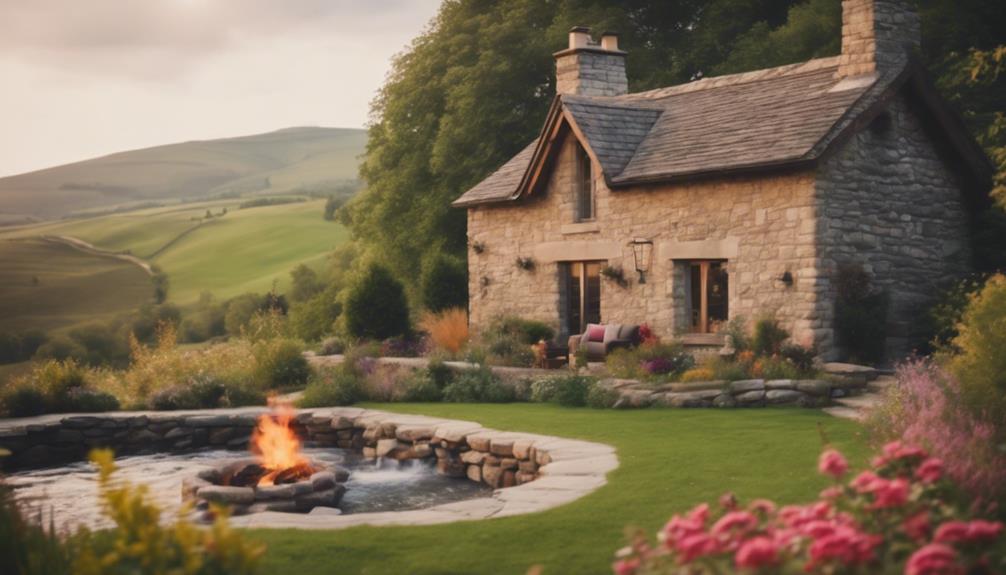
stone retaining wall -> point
(742, 393)
(528, 472)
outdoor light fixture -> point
(786, 278)
(642, 249)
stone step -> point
(865, 401)
(844, 413)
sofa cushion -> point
(595, 332)
(611, 332)
(629, 333)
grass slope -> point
(245, 250)
(73, 287)
(294, 159)
(669, 460)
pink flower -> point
(845, 545)
(625, 566)
(897, 450)
(832, 463)
(833, 492)
(863, 481)
(973, 532)
(933, 559)
(951, 532)
(762, 506)
(728, 501)
(930, 471)
(888, 494)
(735, 521)
(756, 553)
(917, 526)
(695, 546)
(680, 527)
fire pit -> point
(277, 478)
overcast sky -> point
(84, 78)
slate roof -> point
(771, 117)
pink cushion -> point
(595, 332)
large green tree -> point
(474, 87)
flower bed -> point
(900, 515)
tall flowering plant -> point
(895, 517)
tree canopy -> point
(474, 87)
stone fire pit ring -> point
(323, 488)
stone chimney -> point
(877, 35)
(589, 68)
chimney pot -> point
(579, 37)
(609, 41)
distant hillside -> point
(290, 160)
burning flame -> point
(276, 444)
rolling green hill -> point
(50, 286)
(293, 160)
(244, 250)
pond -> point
(69, 494)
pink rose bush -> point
(899, 516)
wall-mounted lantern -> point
(642, 251)
(786, 279)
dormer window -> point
(583, 186)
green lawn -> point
(670, 460)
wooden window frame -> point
(704, 267)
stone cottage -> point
(738, 195)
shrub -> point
(332, 346)
(980, 362)
(543, 389)
(698, 374)
(315, 318)
(774, 367)
(61, 348)
(650, 361)
(508, 339)
(375, 306)
(947, 312)
(205, 392)
(801, 357)
(737, 330)
(402, 346)
(601, 396)
(103, 344)
(440, 373)
(281, 363)
(17, 347)
(240, 310)
(448, 329)
(304, 284)
(206, 323)
(150, 319)
(897, 517)
(478, 386)
(265, 325)
(420, 387)
(571, 391)
(165, 366)
(925, 408)
(22, 399)
(729, 370)
(444, 282)
(768, 337)
(56, 387)
(332, 386)
(860, 315)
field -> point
(50, 286)
(670, 460)
(244, 250)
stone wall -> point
(764, 225)
(889, 202)
(532, 472)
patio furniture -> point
(548, 355)
(598, 340)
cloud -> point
(154, 39)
